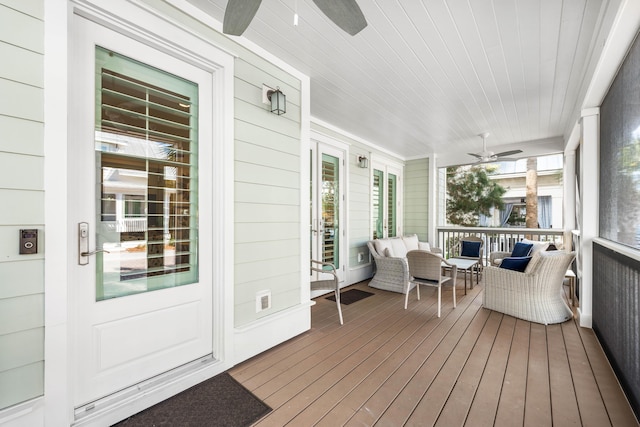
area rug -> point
(219, 401)
(351, 296)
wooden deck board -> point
(511, 405)
(485, 403)
(387, 366)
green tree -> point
(471, 193)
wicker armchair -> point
(392, 270)
(496, 257)
(534, 295)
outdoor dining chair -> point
(331, 284)
(425, 268)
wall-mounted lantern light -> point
(278, 101)
(363, 162)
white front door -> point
(327, 206)
(140, 198)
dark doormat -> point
(219, 401)
(351, 296)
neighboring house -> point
(511, 176)
(222, 235)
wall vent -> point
(263, 300)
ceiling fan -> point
(489, 156)
(346, 14)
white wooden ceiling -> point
(429, 76)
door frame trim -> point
(154, 30)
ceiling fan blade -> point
(238, 16)
(346, 14)
(477, 156)
(508, 153)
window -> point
(146, 146)
(620, 156)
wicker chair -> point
(425, 268)
(331, 284)
(496, 257)
(536, 294)
(392, 272)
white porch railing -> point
(495, 239)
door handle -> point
(86, 254)
(83, 244)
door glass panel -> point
(330, 209)
(391, 204)
(378, 213)
(146, 156)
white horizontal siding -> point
(26, 66)
(21, 136)
(22, 195)
(30, 7)
(416, 198)
(21, 384)
(21, 313)
(246, 213)
(271, 266)
(267, 191)
(20, 29)
(21, 100)
(246, 294)
(255, 232)
(22, 207)
(27, 348)
(249, 253)
(259, 155)
(21, 172)
(23, 277)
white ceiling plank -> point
(428, 76)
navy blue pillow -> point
(522, 249)
(470, 249)
(515, 263)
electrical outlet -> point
(263, 300)
(360, 256)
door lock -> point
(83, 244)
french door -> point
(386, 201)
(327, 206)
(140, 162)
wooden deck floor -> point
(387, 366)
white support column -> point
(433, 200)
(589, 209)
(569, 198)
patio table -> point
(466, 265)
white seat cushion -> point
(381, 245)
(537, 246)
(424, 246)
(398, 247)
(411, 242)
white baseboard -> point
(27, 414)
(270, 331)
(584, 320)
(359, 274)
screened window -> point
(146, 145)
(620, 156)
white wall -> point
(22, 195)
